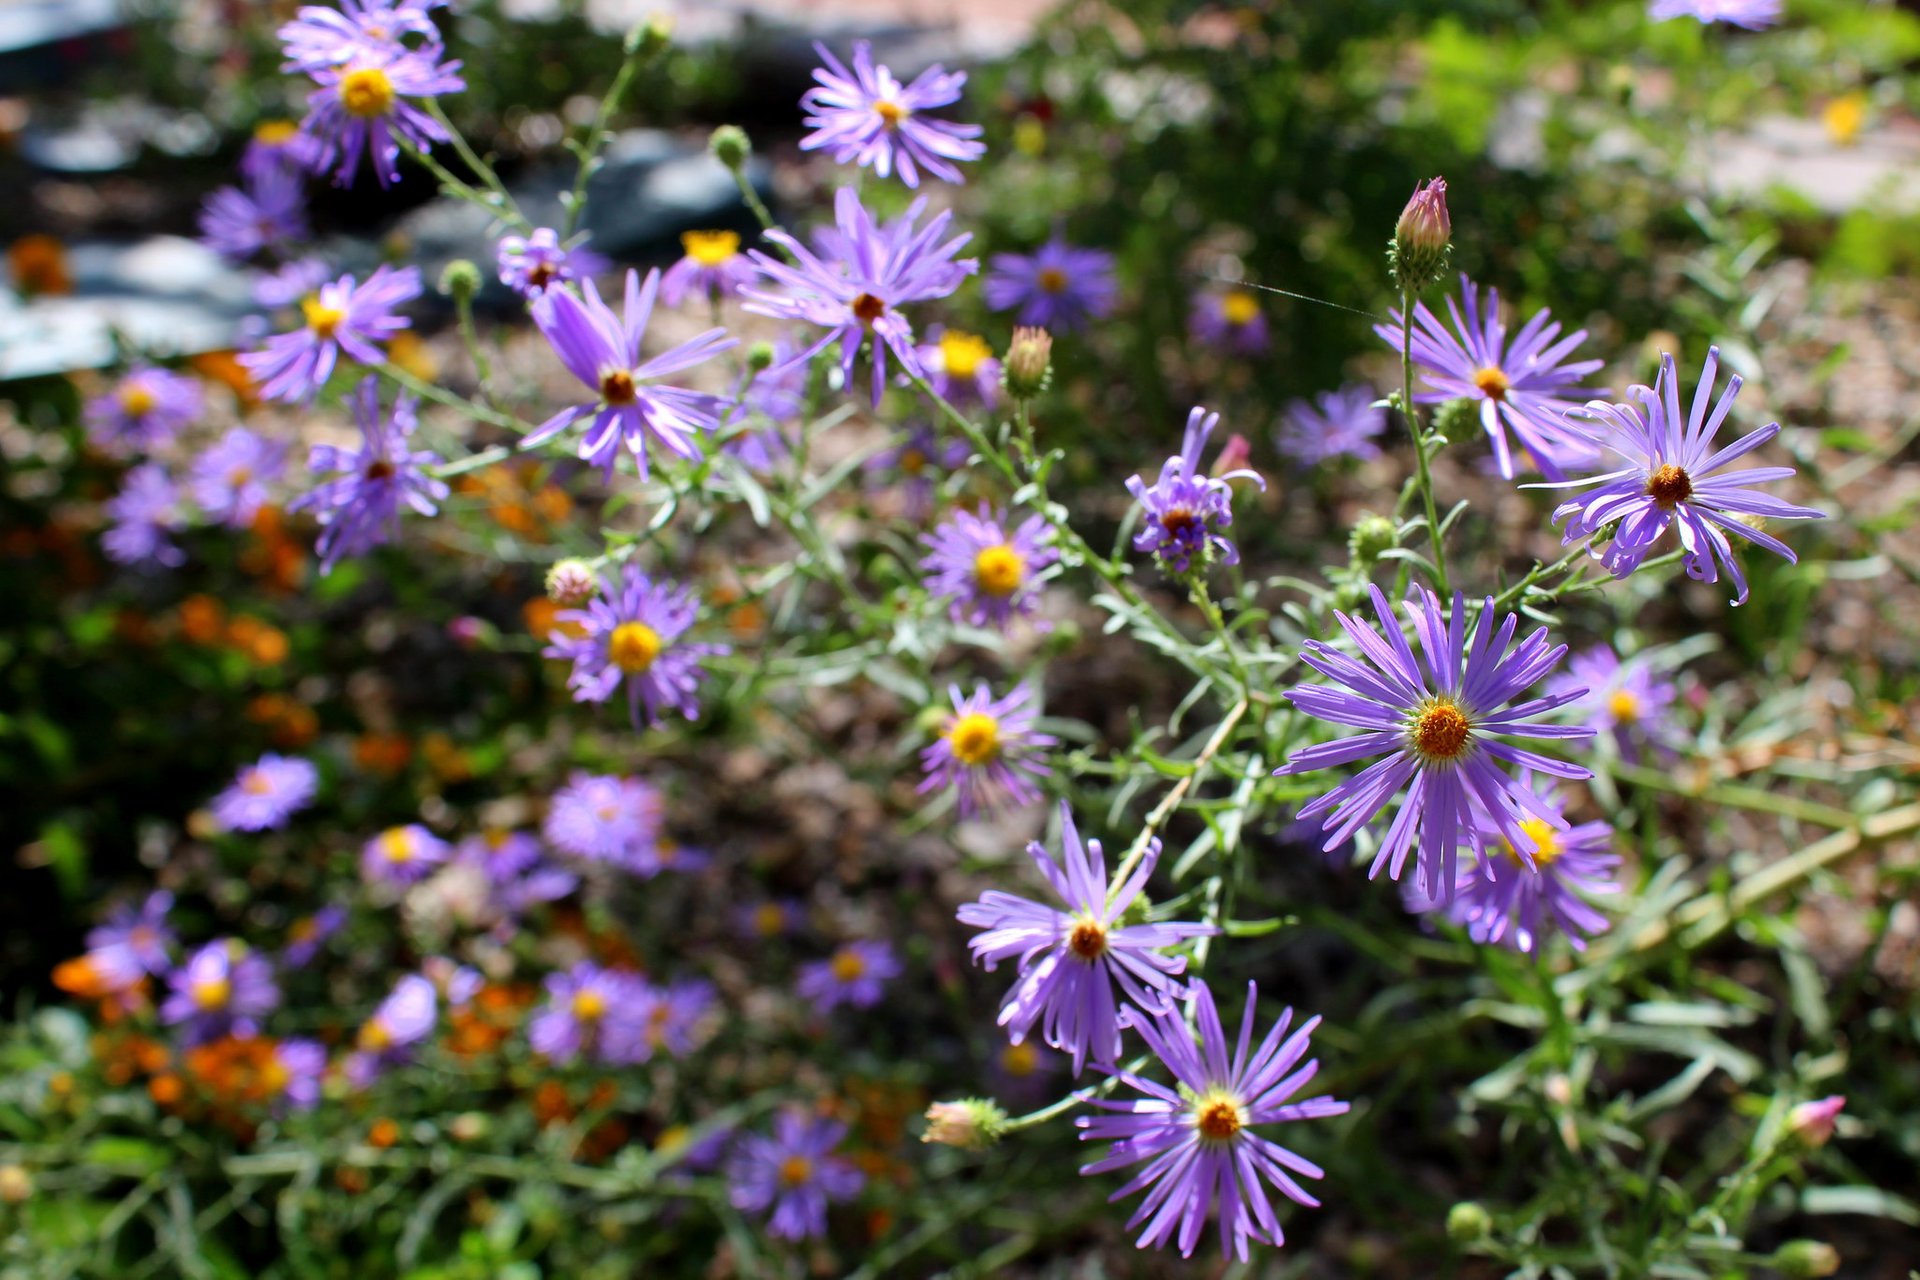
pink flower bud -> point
(1812, 1122)
(1424, 225)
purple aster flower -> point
(778, 392)
(592, 1011)
(361, 107)
(918, 455)
(266, 793)
(456, 983)
(517, 870)
(388, 1037)
(1186, 508)
(856, 974)
(1071, 960)
(1751, 14)
(1333, 424)
(1627, 700)
(1055, 287)
(670, 1015)
(269, 211)
(985, 750)
(133, 942)
(986, 573)
(319, 37)
(144, 410)
(961, 368)
(144, 512)
(231, 479)
(277, 146)
(866, 117)
(1669, 482)
(856, 283)
(341, 316)
(530, 265)
(360, 507)
(298, 280)
(1444, 727)
(1510, 897)
(1230, 319)
(794, 1173)
(667, 855)
(1520, 385)
(224, 989)
(604, 353)
(403, 855)
(604, 819)
(1196, 1137)
(632, 631)
(294, 1073)
(308, 934)
(711, 267)
(771, 918)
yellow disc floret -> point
(710, 248)
(1441, 731)
(999, 570)
(633, 646)
(366, 92)
(975, 738)
(961, 354)
(1239, 308)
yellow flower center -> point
(211, 994)
(848, 965)
(1669, 486)
(136, 401)
(616, 386)
(795, 1171)
(769, 919)
(1239, 308)
(396, 846)
(275, 133)
(366, 92)
(999, 570)
(710, 248)
(1493, 382)
(961, 353)
(256, 782)
(1052, 280)
(1218, 1116)
(1624, 706)
(1019, 1059)
(274, 1077)
(1088, 938)
(975, 738)
(320, 317)
(912, 461)
(1441, 731)
(633, 646)
(867, 308)
(1546, 843)
(589, 1005)
(239, 476)
(891, 113)
(374, 1035)
(1843, 118)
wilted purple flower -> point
(1071, 960)
(866, 117)
(133, 942)
(711, 266)
(1443, 728)
(603, 352)
(144, 512)
(361, 107)
(1333, 424)
(962, 369)
(266, 793)
(403, 855)
(299, 279)
(604, 819)
(1056, 287)
(308, 934)
(793, 1173)
(986, 573)
(1186, 508)
(1520, 385)
(985, 750)
(1502, 899)
(914, 460)
(1669, 481)
(1754, 15)
(1230, 319)
(360, 508)
(319, 37)
(341, 316)
(295, 1072)
(855, 974)
(594, 1011)
(1628, 700)
(532, 264)
(1196, 1137)
(632, 631)
(223, 989)
(858, 281)
(231, 480)
(269, 211)
(387, 1038)
(144, 410)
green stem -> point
(596, 140)
(1419, 443)
(499, 201)
(1736, 796)
(1171, 801)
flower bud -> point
(1234, 455)
(1468, 1222)
(1806, 1259)
(469, 1126)
(460, 279)
(1028, 367)
(971, 1124)
(1457, 421)
(1372, 537)
(1422, 238)
(760, 356)
(650, 36)
(16, 1184)
(1812, 1122)
(730, 146)
(571, 582)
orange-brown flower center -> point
(891, 113)
(867, 308)
(1218, 1116)
(1669, 485)
(633, 646)
(1052, 279)
(795, 1171)
(1493, 382)
(848, 965)
(320, 317)
(379, 469)
(616, 386)
(974, 738)
(1441, 730)
(1088, 940)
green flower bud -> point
(971, 1124)
(1468, 1223)
(651, 36)
(1457, 421)
(760, 356)
(1372, 537)
(16, 1184)
(932, 720)
(460, 279)
(1422, 238)
(730, 146)
(572, 582)
(1028, 368)
(1806, 1259)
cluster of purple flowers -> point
(1185, 509)
(616, 1018)
(359, 508)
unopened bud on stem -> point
(730, 146)
(972, 1124)
(1422, 239)
(1028, 367)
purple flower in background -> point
(319, 37)
(403, 855)
(1751, 14)
(986, 573)
(269, 211)
(387, 1038)
(1627, 700)
(670, 1015)
(1196, 1137)
(299, 279)
(532, 264)
(456, 983)
(223, 989)
(711, 266)
(517, 870)
(144, 512)
(296, 1071)
(914, 459)
(604, 818)
(144, 410)
(794, 1173)
(361, 107)
(1441, 725)
(962, 369)
(778, 392)
(1333, 424)
(1072, 960)
(856, 974)
(1522, 385)
(632, 631)
(308, 934)
(266, 793)
(858, 281)
(1230, 319)
(985, 750)
(593, 1011)
(133, 942)
(1511, 897)
(1186, 508)
(1669, 482)
(1055, 287)
(866, 117)
(666, 855)
(360, 508)
(341, 316)
(277, 146)
(772, 918)
(603, 352)
(231, 480)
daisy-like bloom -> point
(1196, 1137)
(962, 369)
(633, 632)
(856, 283)
(360, 507)
(231, 480)
(986, 573)
(1628, 700)
(518, 874)
(603, 818)
(711, 266)
(592, 1011)
(144, 512)
(403, 855)
(1072, 957)
(293, 1074)
(772, 918)
(670, 1015)
(1055, 287)
(268, 212)
(866, 117)
(1511, 897)
(1754, 15)
(532, 264)
(1334, 424)
(341, 316)
(1444, 727)
(1520, 385)
(1186, 508)
(308, 934)
(267, 793)
(361, 107)
(792, 1174)
(388, 1037)
(319, 37)
(277, 146)
(915, 460)
(144, 410)
(856, 974)
(604, 353)
(1230, 319)
(223, 989)
(133, 942)
(1669, 482)
(984, 751)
